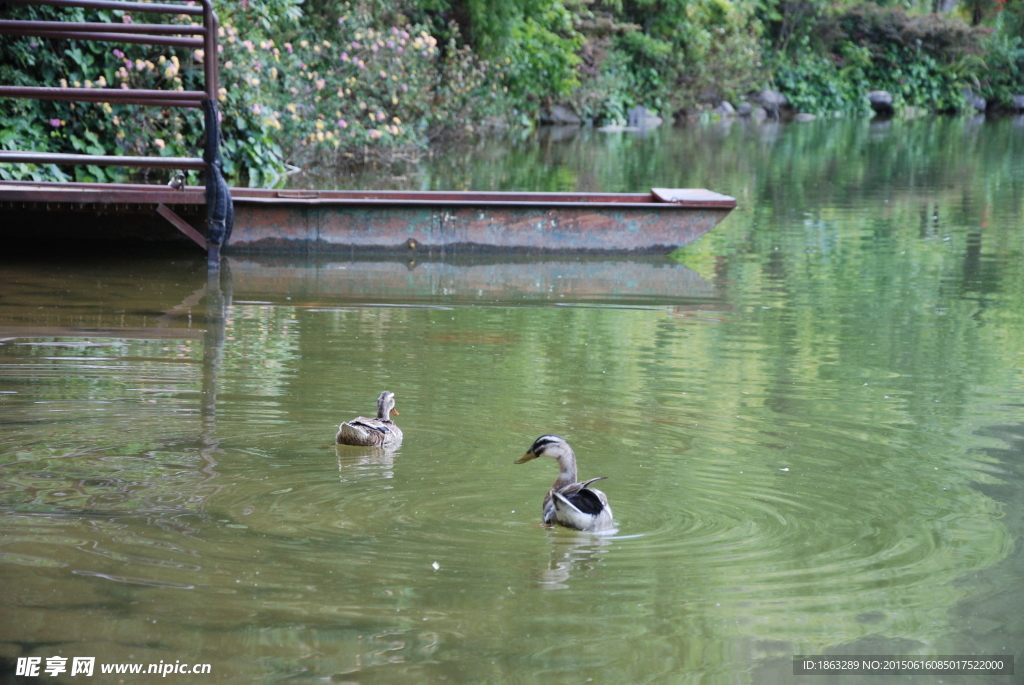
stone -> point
(974, 100)
(1018, 102)
(881, 101)
(772, 100)
(804, 116)
(725, 109)
(641, 117)
(759, 114)
(745, 109)
(557, 115)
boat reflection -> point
(461, 279)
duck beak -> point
(394, 411)
(525, 458)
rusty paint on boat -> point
(332, 221)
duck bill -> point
(394, 411)
(525, 458)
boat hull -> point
(562, 229)
(371, 221)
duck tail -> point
(352, 435)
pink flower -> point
(127, 19)
(342, 123)
(394, 30)
(383, 75)
(288, 47)
(391, 43)
(345, 57)
(381, 116)
(405, 88)
(341, 20)
(405, 34)
(55, 123)
(374, 47)
(355, 45)
(256, 109)
(118, 54)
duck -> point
(378, 432)
(570, 503)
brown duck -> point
(378, 432)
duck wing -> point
(363, 431)
(581, 508)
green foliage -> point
(692, 50)
(1003, 71)
(925, 62)
(541, 55)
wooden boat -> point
(349, 220)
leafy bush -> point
(924, 61)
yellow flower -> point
(291, 107)
(396, 120)
(159, 142)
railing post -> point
(220, 213)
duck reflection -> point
(572, 553)
(355, 463)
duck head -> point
(386, 406)
(553, 446)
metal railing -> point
(219, 208)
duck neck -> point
(383, 414)
(567, 470)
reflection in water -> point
(359, 462)
(572, 552)
(507, 278)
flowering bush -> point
(366, 89)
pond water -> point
(811, 420)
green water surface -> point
(811, 420)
